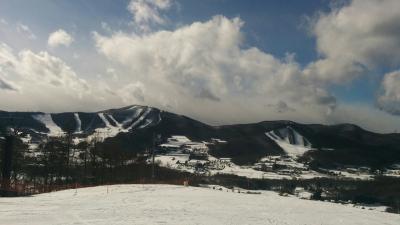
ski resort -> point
(200, 112)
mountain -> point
(132, 128)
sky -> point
(218, 61)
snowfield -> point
(168, 204)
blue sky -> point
(317, 61)
(270, 25)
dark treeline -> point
(59, 163)
(382, 190)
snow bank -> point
(167, 204)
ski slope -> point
(48, 122)
(78, 123)
(138, 117)
(168, 204)
(293, 143)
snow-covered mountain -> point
(133, 127)
(103, 124)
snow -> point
(174, 161)
(148, 122)
(78, 123)
(225, 166)
(140, 119)
(105, 121)
(179, 138)
(31, 146)
(113, 130)
(46, 119)
(248, 172)
(291, 149)
(355, 176)
(134, 116)
(178, 141)
(114, 120)
(168, 204)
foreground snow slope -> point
(167, 204)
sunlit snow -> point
(167, 204)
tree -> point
(6, 169)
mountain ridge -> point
(133, 127)
(289, 122)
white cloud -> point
(389, 100)
(204, 65)
(41, 81)
(3, 21)
(362, 35)
(133, 92)
(207, 71)
(366, 116)
(24, 29)
(112, 73)
(6, 85)
(58, 38)
(147, 12)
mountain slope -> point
(132, 129)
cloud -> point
(147, 12)
(24, 29)
(58, 38)
(5, 85)
(44, 82)
(362, 35)
(280, 107)
(366, 116)
(207, 71)
(389, 99)
(3, 21)
(133, 92)
(205, 64)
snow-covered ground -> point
(177, 161)
(167, 204)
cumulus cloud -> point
(44, 82)
(133, 92)
(147, 12)
(205, 64)
(207, 71)
(58, 38)
(366, 116)
(351, 39)
(389, 99)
